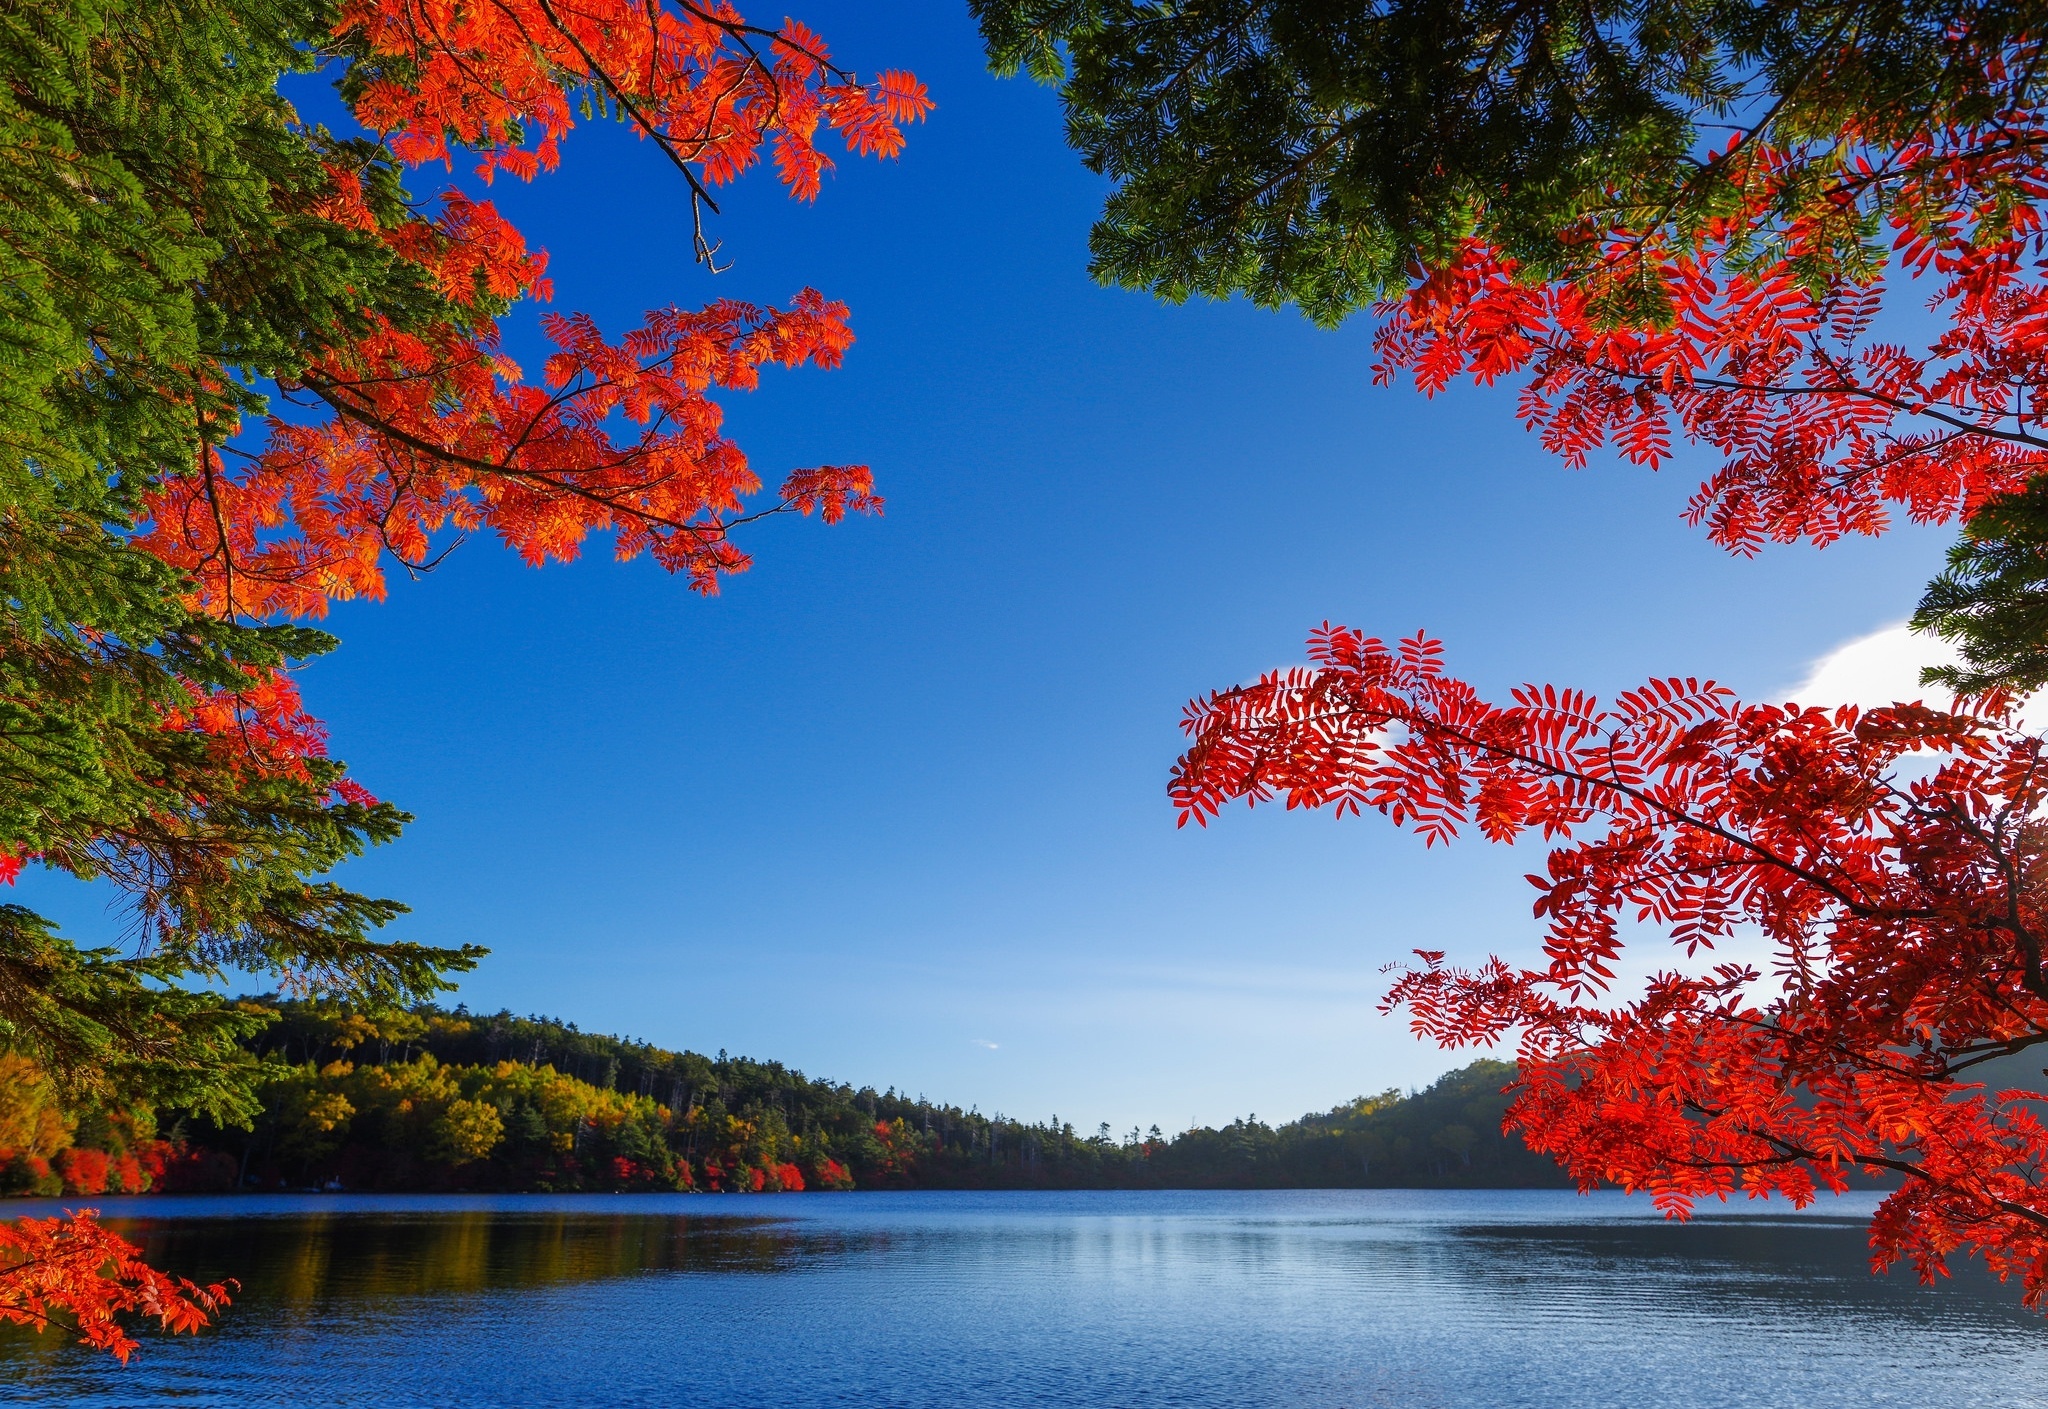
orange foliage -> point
(433, 432)
(73, 1274)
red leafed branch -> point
(434, 434)
(707, 88)
(1821, 420)
(1892, 861)
(426, 433)
(75, 1275)
(431, 431)
(262, 729)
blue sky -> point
(892, 809)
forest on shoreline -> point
(434, 1099)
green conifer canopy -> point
(1312, 152)
(160, 262)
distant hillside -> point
(439, 1099)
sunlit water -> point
(1208, 1300)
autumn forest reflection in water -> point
(308, 1259)
(1526, 1298)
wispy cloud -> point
(984, 1042)
(1884, 668)
(1879, 669)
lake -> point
(1201, 1300)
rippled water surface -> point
(1205, 1300)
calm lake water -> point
(1205, 1300)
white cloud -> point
(1879, 669)
(984, 1042)
(1884, 668)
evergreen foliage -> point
(160, 255)
(1316, 152)
(1992, 599)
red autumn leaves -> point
(1769, 353)
(1891, 861)
(77, 1276)
(434, 431)
(424, 433)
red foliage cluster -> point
(437, 434)
(632, 1174)
(895, 1154)
(174, 1167)
(74, 1274)
(97, 1172)
(433, 432)
(829, 1173)
(72, 1171)
(706, 86)
(1820, 423)
(154, 1166)
(263, 728)
(1890, 859)
(783, 1178)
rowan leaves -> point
(502, 79)
(431, 432)
(1751, 333)
(79, 1277)
(441, 434)
(1904, 908)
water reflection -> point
(321, 1257)
(1197, 1301)
(1771, 1267)
(324, 1265)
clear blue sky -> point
(892, 809)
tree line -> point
(430, 1098)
